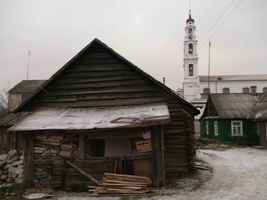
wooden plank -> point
(156, 156)
(87, 104)
(28, 159)
(162, 145)
(90, 177)
(82, 146)
(100, 84)
(109, 91)
(97, 80)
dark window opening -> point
(253, 89)
(226, 91)
(190, 48)
(191, 70)
(206, 91)
(245, 90)
(190, 30)
(264, 90)
(95, 148)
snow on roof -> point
(93, 118)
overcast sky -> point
(149, 33)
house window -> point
(206, 91)
(264, 90)
(253, 89)
(216, 128)
(207, 127)
(190, 48)
(191, 70)
(226, 91)
(245, 90)
(95, 147)
(237, 128)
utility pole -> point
(209, 68)
(28, 64)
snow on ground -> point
(239, 174)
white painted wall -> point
(235, 86)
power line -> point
(233, 5)
(226, 11)
(221, 16)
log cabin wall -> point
(8, 140)
(97, 78)
(50, 170)
(52, 150)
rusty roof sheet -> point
(92, 118)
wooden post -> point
(81, 146)
(157, 157)
(163, 155)
(28, 159)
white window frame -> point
(216, 128)
(207, 127)
(234, 127)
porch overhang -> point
(94, 118)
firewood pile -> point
(119, 184)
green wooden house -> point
(230, 118)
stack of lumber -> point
(120, 184)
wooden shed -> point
(104, 114)
(16, 96)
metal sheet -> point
(85, 118)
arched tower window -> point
(191, 70)
(190, 48)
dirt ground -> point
(238, 174)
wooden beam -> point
(162, 154)
(157, 156)
(28, 159)
(89, 176)
(82, 146)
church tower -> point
(191, 85)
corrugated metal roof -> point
(26, 86)
(255, 77)
(232, 106)
(92, 118)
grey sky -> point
(149, 33)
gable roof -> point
(231, 106)
(215, 78)
(26, 87)
(115, 54)
(260, 108)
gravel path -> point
(239, 174)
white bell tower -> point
(191, 83)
